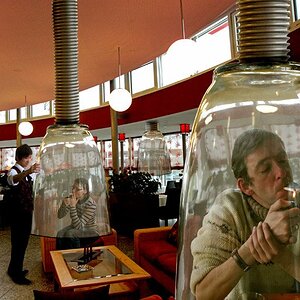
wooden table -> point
(111, 267)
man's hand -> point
(67, 200)
(283, 221)
(35, 168)
(263, 246)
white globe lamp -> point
(182, 48)
(182, 54)
(120, 99)
(25, 128)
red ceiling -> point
(142, 29)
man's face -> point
(25, 161)
(269, 172)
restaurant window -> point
(213, 48)
(105, 91)
(89, 98)
(135, 150)
(296, 9)
(24, 113)
(170, 74)
(7, 158)
(125, 152)
(2, 117)
(107, 152)
(214, 45)
(41, 109)
(142, 79)
(12, 115)
(174, 142)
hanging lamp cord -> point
(119, 66)
(182, 20)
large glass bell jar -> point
(153, 154)
(239, 220)
(71, 167)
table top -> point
(110, 265)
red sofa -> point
(154, 252)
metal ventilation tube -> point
(152, 126)
(263, 29)
(65, 23)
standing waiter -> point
(20, 178)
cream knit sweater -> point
(226, 227)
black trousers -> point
(21, 222)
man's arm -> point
(263, 247)
(219, 282)
(20, 176)
(88, 214)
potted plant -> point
(133, 201)
(133, 182)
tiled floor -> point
(41, 281)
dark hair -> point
(82, 181)
(244, 145)
(23, 151)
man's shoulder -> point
(14, 169)
(90, 202)
(230, 200)
(229, 207)
(232, 195)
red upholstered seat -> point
(168, 262)
(155, 252)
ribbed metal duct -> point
(263, 29)
(65, 26)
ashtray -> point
(82, 268)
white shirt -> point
(12, 172)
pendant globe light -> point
(120, 99)
(183, 52)
(25, 128)
(153, 154)
(207, 229)
(69, 158)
